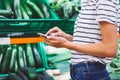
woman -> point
(94, 42)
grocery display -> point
(20, 21)
(23, 53)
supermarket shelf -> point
(8, 40)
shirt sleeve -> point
(106, 10)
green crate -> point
(37, 69)
(35, 25)
(43, 52)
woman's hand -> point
(56, 41)
(58, 32)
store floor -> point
(63, 76)
(59, 76)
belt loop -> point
(87, 67)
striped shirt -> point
(87, 28)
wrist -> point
(68, 45)
(68, 37)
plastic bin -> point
(42, 68)
(35, 25)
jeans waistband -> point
(91, 65)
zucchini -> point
(52, 12)
(16, 66)
(17, 9)
(27, 9)
(24, 13)
(22, 75)
(44, 9)
(3, 48)
(8, 8)
(29, 72)
(6, 60)
(5, 13)
(37, 57)
(13, 76)
(35, 8)
(29, 56)
(2, 17)
(13, 58)
(1, 56)
(43, 76)
(20, 57)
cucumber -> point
(6, 60)
(29, 56)
(13, 59)
(37, 57)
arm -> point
(106, 48)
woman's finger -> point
(53, 30)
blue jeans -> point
(89, 71)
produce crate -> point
(35, 25)
(38, 69)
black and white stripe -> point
(87, 29)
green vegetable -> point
(44, 9)
(43, 75)
(6, 60)
(24, 13)
(16, 66)
(1, 56)
(7, 7)
(26, 8)
(22, 75)
(3, 17)
(20, 58)
(52, 13)
(13, 58)
(29, 55)
(5, 13)
(3, 48)
(13, 76)
(17, 9)
(37, 57)
(59, 3)
(35, 8)
(29, 72)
